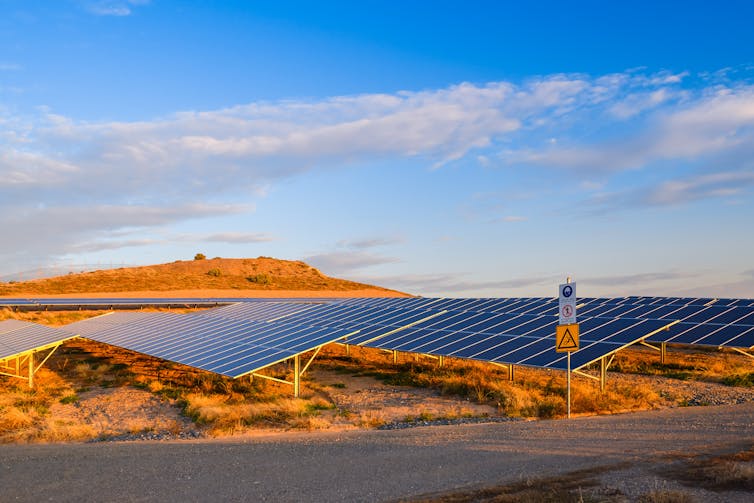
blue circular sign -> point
(567, 291)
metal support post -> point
(31, 370)
(348, 350)
(395, 356)
(663, 352)
(442, 361)
(603, 373)
(569, 385)
(510, 373)
(296, 376)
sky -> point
(476, 148)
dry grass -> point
(50, 318)
(25, 413)
(262, 273)
(61, 318)
(688, 363)
(533, 393)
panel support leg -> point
(510, 373)
(348, 350)
(603, 373)
(297, 376)
(442, 361)
(395, 356)
(31, 370)
(663, 352)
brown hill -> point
(217, 277)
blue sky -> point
(441, 148)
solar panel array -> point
(210, 341)
(710, 322)
(19, 337)
(437, 327)
(245, 335)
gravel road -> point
(369, 465)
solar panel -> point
(99, 323)
(18, 337)
(216, 343)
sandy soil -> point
(115, 412)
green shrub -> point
(739, 380)
(215, 273)
(200, 256)
(259, 279)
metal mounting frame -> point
(298, 372)
(25, 367)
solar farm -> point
(243, 337)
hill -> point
(216, 277)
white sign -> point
(567, 304)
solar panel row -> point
(413, 325)
(18, 337)
(226, 346)
(242, 337)
(727, 324)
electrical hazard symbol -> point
(567, 338)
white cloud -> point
(185, 160)
(720, 121)
(34, 235)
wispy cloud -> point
(636, 279)
(682, 190)
(59, 166)
(113, 7)
(238, 238)
(706, 186)
(36, 235)
(346, 262)
(457, 284)
(372, 242)
(715, 121)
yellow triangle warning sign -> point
(567, 338)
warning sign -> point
(567, 304)
(567, 338)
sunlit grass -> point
(533, 393)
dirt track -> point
(375, 465)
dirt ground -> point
(690, 454)
(376, 403)
(126, 413)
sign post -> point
(567, 331)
